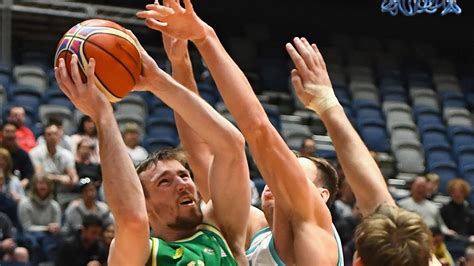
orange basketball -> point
(118, 63)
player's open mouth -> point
(186, 201)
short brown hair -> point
(161, 155)
(393, 236)
(327, 174)
(459, 183)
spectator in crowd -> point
(65, 141)
(22, 165)
(468, 258)
(8, 205)
(308, 147)
(9, 250)
(24, 136)
(107, 236)
(84, 247)
(57, 164)
(433, 185)
(346, 228)
(457, 214)
(344, 204)
(86, 128)
(427, 209)
(87, 204)
(84, 165)
(12, 184)
(131, 137)
(439, 248)
(40, 218)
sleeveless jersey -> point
(206, 247)
(262, 249)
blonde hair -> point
(393, 236)
(459, 183)
(6, 155)
(40, 177)
(433, 177)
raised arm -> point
(228, 174)
(198, 153)
(313, 87)
(276, 162)
(122, 187)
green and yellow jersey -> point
(206, 247)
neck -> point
(89, 204)
(168, 234)
(418, 199)
(9, 145)
(51, 149)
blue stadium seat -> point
(273, 114)
(162, 110)
(364, 103)
(374, 134)
(437, 152)
(467, 172)
(465, 155)
(364, 114)
(17, 89)
(434, 136)
(453, 99)
(460, 136)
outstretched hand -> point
(175, 20)
(310, 78)
(85, 96)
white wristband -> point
(324, 98)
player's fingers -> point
(304, 52)
(297, 82)
(66, 80)
(60, 82)
(76, 76)
(297, 59)
(174, 5)
(135, 39)
(159, 13)
(188, 5)
(311, 51)
(91, 73)
(319, 56)
(156, 25)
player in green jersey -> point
(163, 195)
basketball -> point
(118, 63)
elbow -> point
(257, 130)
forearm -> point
(232, 84)
(121, 184)
(198, 155)
(360, 169)
(215, 130)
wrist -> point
(209, 33)
(323, 98)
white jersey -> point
(262, 249)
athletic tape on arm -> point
(324, 97)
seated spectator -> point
(22, 166)
(107, 236)
(131, 137)
(84, 166)
(57, 164)
(308, 147)
(433, 185)
(86, 128)
(40, 218)
(8, 205)
(439, 248)
(12, 183)
(87, 204)
(457, 214)
(65, 141)
(24, 136)
(427, 209)
(344, 204)
(9, 250)
(84, 247)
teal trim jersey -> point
(262, 249)
(206, 247)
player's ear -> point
(325, 194)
